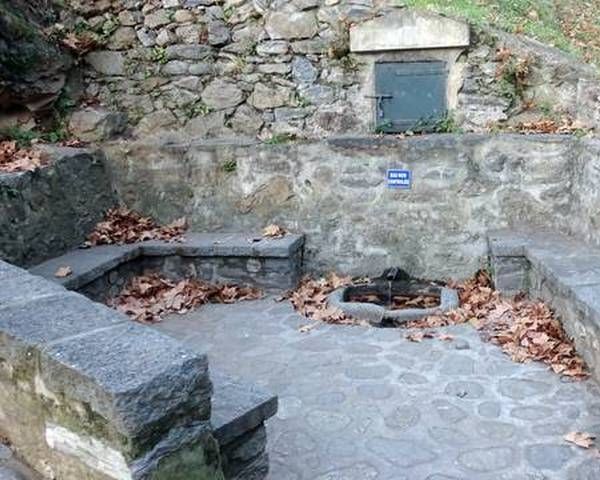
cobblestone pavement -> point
(366, 404)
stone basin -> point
(378, 310)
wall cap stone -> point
(89, 264)
(409, 30)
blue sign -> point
(399, 179)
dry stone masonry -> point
(305, 68)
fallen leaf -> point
(446, 338)
(14, 159)
(122, 225)
(308, 328)
(147, 298)
(274, 231)
(63, 272)
(581, 439)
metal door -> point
(409, 96)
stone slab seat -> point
(86, 393)
(91, 264)
(562, 271)
(239, 411)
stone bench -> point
(560, 270)
(101, 272)
(238, 416)
(86, 393)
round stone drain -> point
(389, 302)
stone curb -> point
(92, 263)
(375, 314)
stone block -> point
(238, 408)
(291, 25)
(95, 124)
(137, 379)
(510, 274)
(18, 287)
(44, 320)
(107, 62)
(408, 30)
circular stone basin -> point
(390, 304)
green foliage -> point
(22, 137)
(447, 125)
(229, 166)
(513, 76)
(194, 109)
(280, 138)
(383, 126)
(25, 138)
(301, 101)
(349, 63)
(228, 13)
(539, 19)
(158, 55)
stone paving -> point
(362, 403)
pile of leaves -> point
(14, 159)
(526, 330)
(274, 231)
(310, 299)
(122, 225)
(147, 298)
(564, 126)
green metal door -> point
(409, 96)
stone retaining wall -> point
(49, 211)
(85, 393)
(335, 192)
(247, 68)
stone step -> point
(562, 271)
(239, 411)
(98, 272)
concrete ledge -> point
(84, 393)
(268, 263)
(560, 270)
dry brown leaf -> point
(525, 330)
(146, 298)
(14, 159)
(446, 338)
(122, 225)
(310, 299)
(63, 272)
(308, 328)
(274, 231)
(581, 439)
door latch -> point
(380, 99)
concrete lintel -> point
(409, 30)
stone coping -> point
(90, 264)
(351, 141)
(560, 270)
(134, 382)
(238, 407)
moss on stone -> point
(200, 461)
